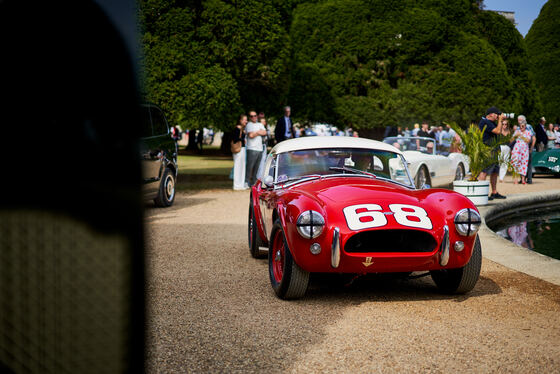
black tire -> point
(460, 172)
(166, 192)
(422, 178)
(461, 280)
(288, 280)
(253, 235)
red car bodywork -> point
(331, 195)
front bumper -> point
(335, 259)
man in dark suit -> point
(540, 133)
(284, 127)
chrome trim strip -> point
(335, 248)
(444, 259)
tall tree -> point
(193, 90)
(543, 43)
(506, 39)
(359, 63)
(208, 61)
(398, 62)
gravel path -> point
(211, 309)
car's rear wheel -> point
(422, 177)
(166, 192)
(460, 172)
(254, 239)
(461, 280)
(288, 280)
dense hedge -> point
(543, 43)
(359, 63)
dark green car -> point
(158, 152)
(546, 162)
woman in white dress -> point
(239, 157)
(505, 151)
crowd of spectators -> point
(250, 139)
(252, 136)
(445, 137)
(525, 140)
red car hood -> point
(353, 190)
(335, 194)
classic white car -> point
(429, 165)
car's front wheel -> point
(254, 238)
(166, 192)
(460, 172)
(288, 280)
(422, 178)
(461, 280)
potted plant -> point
(480, 156)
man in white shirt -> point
(447, 137)
(254, 145)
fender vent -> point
(391, 241)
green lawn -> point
(209, 170)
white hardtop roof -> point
(314, 142)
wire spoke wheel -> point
(288, 280)
(278, 257)
(253, 236)
(421, 178)
(459, 173)
(250, 228)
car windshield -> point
(421, 144)
(327, 162)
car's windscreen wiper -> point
(352, 170)
(299, 178)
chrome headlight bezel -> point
(310, 224)
(467, 222)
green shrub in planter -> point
(480, 155)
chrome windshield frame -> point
(405, 164)
(310, 177)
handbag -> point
(235, 147)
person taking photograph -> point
(491, 130)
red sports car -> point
(348, 205)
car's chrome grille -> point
(391, 241)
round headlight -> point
(467, 222)
(310, 224)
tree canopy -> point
(359, 63)
(543, 43)
(207, 61)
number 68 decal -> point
(366, 216)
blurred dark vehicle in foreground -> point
(158, 151)
(71, 209)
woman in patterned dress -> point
(520, 152)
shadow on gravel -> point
(386, 287)
(206, 181)
(210, 306)
(182, 200)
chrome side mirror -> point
(268, 181)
